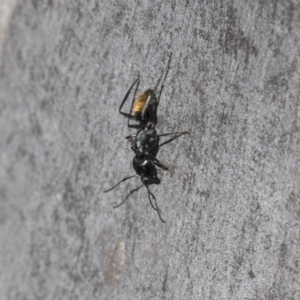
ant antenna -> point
(124, 179)
(131, 192)
(156, 209)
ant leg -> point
(173, 138)
(154, 112)
(167, 71)
(125, 98)
(137, 126)
(160, 165)
(156, 161)
(159, 79)
(130, 137)
(124, 179)
(160, 92)
(171, 133)
(131, 192)
(157, 209)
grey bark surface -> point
(231, 200)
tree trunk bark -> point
(231, 200)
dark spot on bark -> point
(251, 274)
(232, 38)
(164, 286)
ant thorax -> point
(146, 141)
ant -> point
(145, 143)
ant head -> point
(152, 180)
(146, 169)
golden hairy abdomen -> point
(141, 102)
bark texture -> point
(232, 198)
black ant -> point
(145, 143)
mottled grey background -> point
(232, 198)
